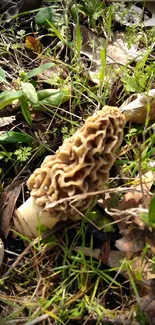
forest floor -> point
(58, 65)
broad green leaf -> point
(7, 97)
(12, 137)
(30, 92)
(25, 110)
(2, 76)
(151, 215)
(58, 97)
(50, 14)
(38, 70)
(131, 84)
(62, 96)
(45, 93)
(43, 15)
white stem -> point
(29, 216)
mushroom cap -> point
(80, 165)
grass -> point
(49, 280)
(65, 284)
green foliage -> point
(141, 77)
(51, 14)
(100, 220)
(25, 109)
(2, 76)
(5, 155)
(143, 152)
(14, 137)
(23, 153)
(7, 97)
(151, 214)
(34, 72)
(29, 92)
(20, 155)
(67, 132)
(94, 9)
(29, 96)
(149, 218)
(58, 97)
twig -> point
(82, 196)
(38, 319)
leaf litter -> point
(58, 74)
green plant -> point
(67, 132)
(23, 153)
(141, 77)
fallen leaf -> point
(33, 44)
(117, 53)
(114, 256)
(11, 8)
(147, 304)
(134, 241)
(6, 120)
(87, 251)
(141, 269)
(9, 199)
(150, 21)
(128, 14)
(130, 200)
(138, 106)
(53, 75)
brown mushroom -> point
(80, 165)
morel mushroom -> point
(80, 165)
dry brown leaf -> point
(9, 199)
(147, 304)
(33, 44)
(151, 7)
(138, 106)
(6, 120)
(138, 266)
(54, 73)
(130, 200)
(118, 53)
(134, 241)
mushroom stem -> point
(29, 216)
